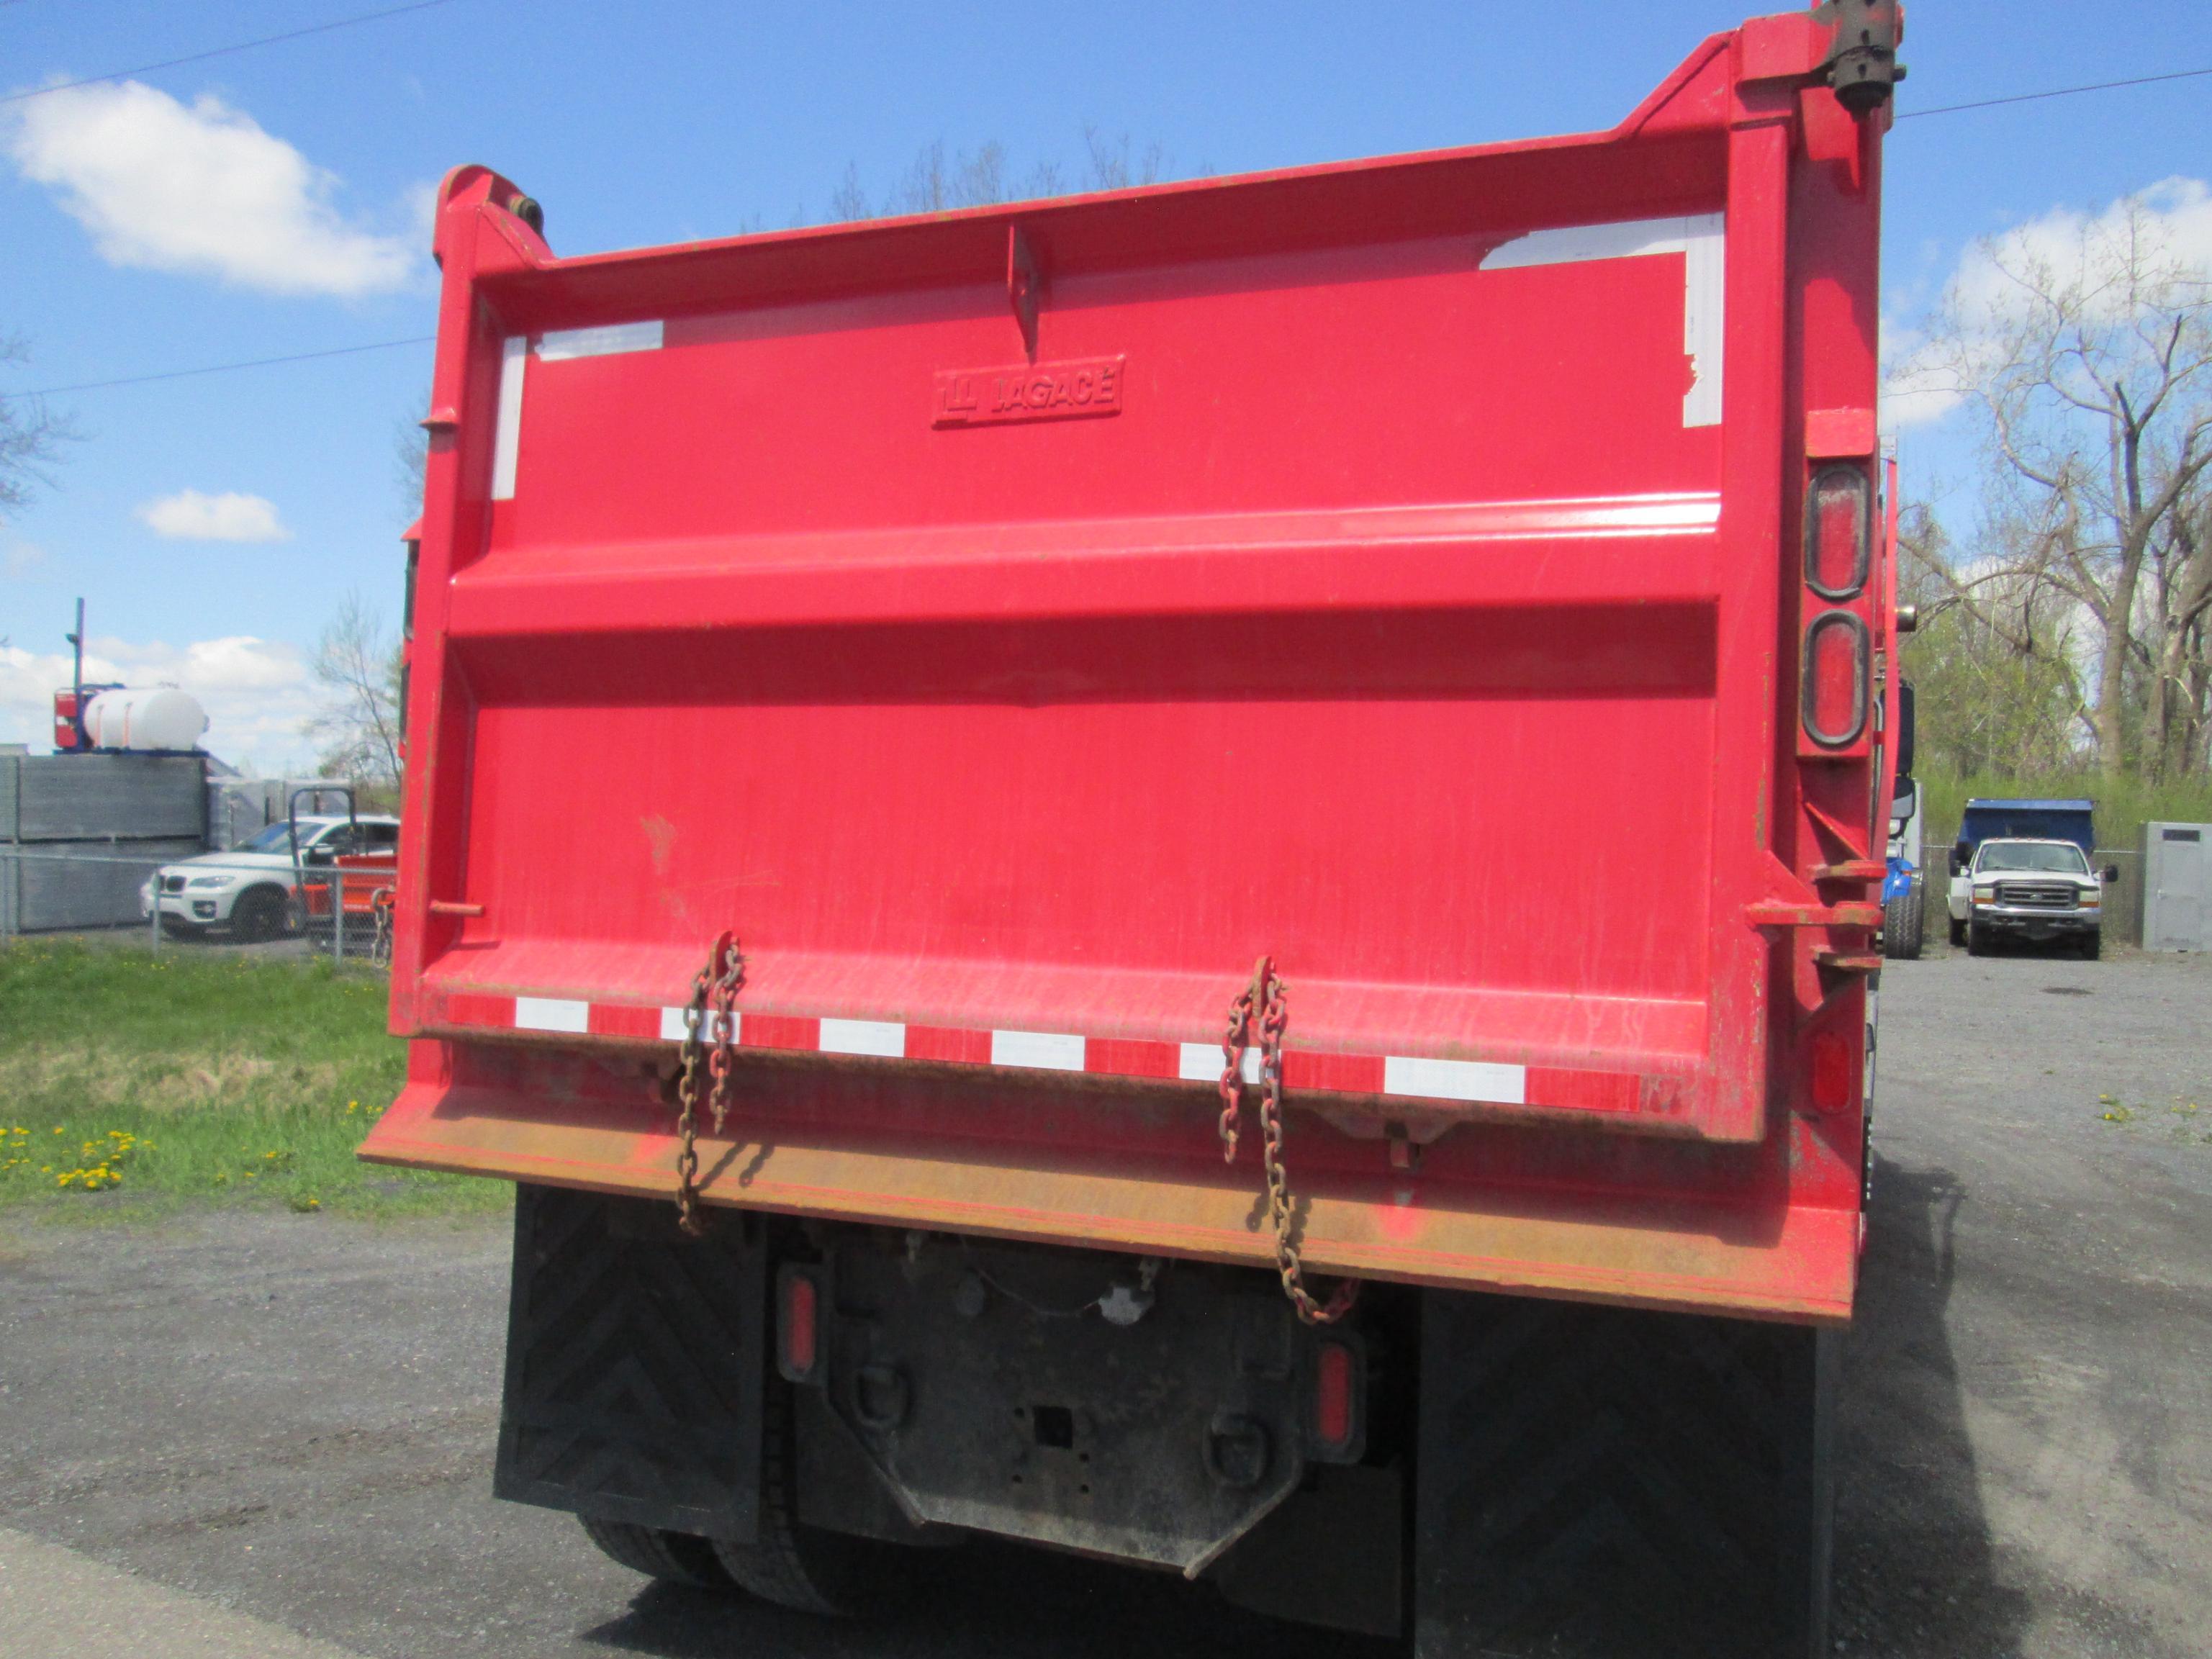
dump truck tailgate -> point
(1011, 625)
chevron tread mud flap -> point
(1600, 1481)
(635, 1365)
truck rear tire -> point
(805, 1568)
(2093, 945)
(1902, 922)
(677, 1556)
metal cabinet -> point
(2177, 895)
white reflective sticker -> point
(1455, 1079)
(1705, 321)
(551, 1014)
(1045, 1050)
(671, 1025)
(1701, 240)
(563, 343)
(1202, 1063)
(883, 1037)
(506, 437)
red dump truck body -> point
(1010, 623)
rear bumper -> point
(1142, 1172)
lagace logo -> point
(1028, 392)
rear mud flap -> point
(1602, 1481)
(635, 1365)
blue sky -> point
(645, 122)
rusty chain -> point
(380, 904)
(713, 994)
(1263, 1011)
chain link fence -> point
(344, 912)
(2123, 898)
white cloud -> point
(2165, 229)
(201, 190)
(2170, 222)
(20, 558)
(1921, 386)
(190, 516)
(257, 692)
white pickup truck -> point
(2032, 889)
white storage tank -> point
(163, 718)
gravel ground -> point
(290, 1419)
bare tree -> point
(1994, 659)
(31, 435)
(2088, 353)
(410, 457)
(2179, 718)
(1108, 164)
(357, 665)
(939, 181)
(850, 201)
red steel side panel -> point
(1013, 623)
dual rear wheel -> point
(788, 1563)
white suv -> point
(250, 889)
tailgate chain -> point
(1265, 1005)
(713, 991)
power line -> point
(224, 52)
(2057, 92)
(426, 339)
(222, 368)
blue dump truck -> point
(2022, 869)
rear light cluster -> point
(1835, 674)
(1338, 1422)
(1832, 1090)
(798, 1325)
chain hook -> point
(713, 999)
(1260, 1017)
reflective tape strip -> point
(551, 1014)
(1202, 1063)
(1305, 1071)
(672, 1028)
(885, 1038)
(1702, 240)
(507, 435)
(1048, 1051)
(560, 344)
(1455, 1079)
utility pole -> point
(76, 674)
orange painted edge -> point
(1803, 1270)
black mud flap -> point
(635, 1365)
(1601, 1481)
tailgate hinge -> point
(1861, 61)
(1780, 913)
(1851, 869)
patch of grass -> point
(2113, 1110)
(139, 1079)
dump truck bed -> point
(1010, 624)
